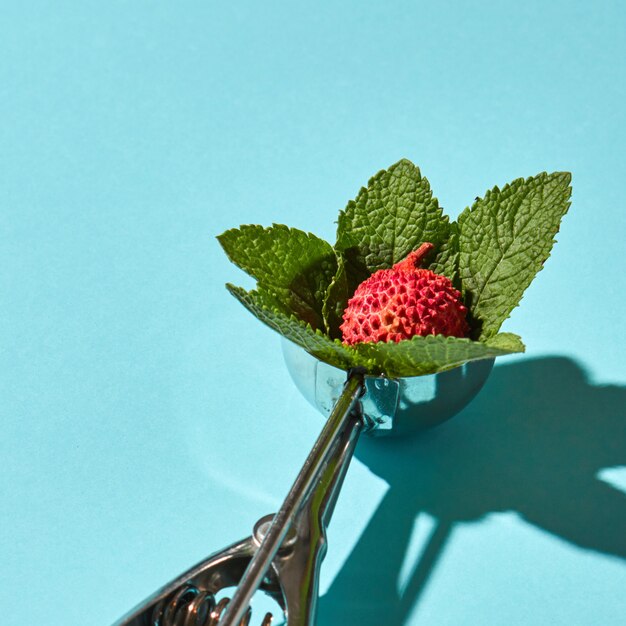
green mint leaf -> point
(336, 301)
(297, 267)
(390, 218)
(266, 308)
(446, 262)
(413, 357)
(504, 239)
(434, 353)
(508, 342)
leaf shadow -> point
(532, 442)
(476, 324)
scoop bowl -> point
(390, 406)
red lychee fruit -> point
(402, 302)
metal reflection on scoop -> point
(390, 406)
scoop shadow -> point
(532, 442)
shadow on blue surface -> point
(532, 442)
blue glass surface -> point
(148, 419)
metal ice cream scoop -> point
(283, 555)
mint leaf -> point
(413, 357)
(492, 254)
(507, 342)
(336, 301)
(390, 218)
(264, 306)
(446, 262)
(434, 353)
(504, 240)
(297, 267)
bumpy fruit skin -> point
(402, 302)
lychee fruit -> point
(404, 301)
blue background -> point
(148, 419)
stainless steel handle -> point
(306, 479)
(299, 571)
